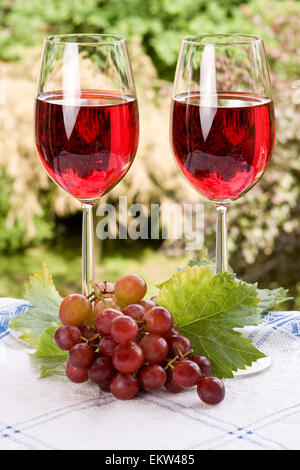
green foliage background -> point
(159, 23)
(264, 226)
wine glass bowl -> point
(86, 121)
(222, 119)
(86, 141)
(225, 156)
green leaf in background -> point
(268, 299)
(41, 293)
(207, 308)
(48, 357)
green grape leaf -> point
(41, 293)
(207, 308)
(48, 358)
(269, 298)
(205, 261)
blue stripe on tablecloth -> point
(56, 412)
(296, 328)
(21, 438)
(247, 435)
(12, 311)
(276, 443)
(215, 439)
(248, 430)
(54, 417)
(195, 410)
(286, 412)
(20, 442)
(265, 422)
(275, 323)
(91, 403)
(3, 334)
(182, 413)
(269, 333)
(8, 312)
(232, 432)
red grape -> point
(88, 332)
(134, 311)
(186, 373)
(107, 346)
(173, 332)
(104, 319)
(67, 336)
(127, 358)
(107, 302)
(81, 355)
(123, 329)
(106, 287)
(203, 363)
(211, 390)
(152, 377)
(101, 370)
(147, 304)
(158, 320)
(75, 374)
(179, 345)
(124, 386)
(155, 348)
(75, 309)
(170, 384)
(130, 289)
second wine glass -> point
(86, 122)
(222, 120)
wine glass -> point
(223, 125)
(86, 122)
(222, 120)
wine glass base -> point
(257, 367)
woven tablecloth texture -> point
(259, 412)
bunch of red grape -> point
(132, 345)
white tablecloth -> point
(259, 412)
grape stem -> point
(172, 362)
(105, 291)
(100, 294)
(91, 339)
(96, 292)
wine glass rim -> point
(113, 39)
(232, 39)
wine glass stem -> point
(221, 245)
(87, 248)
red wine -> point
(86, 141)
(224, 145)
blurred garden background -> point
(39, 221)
